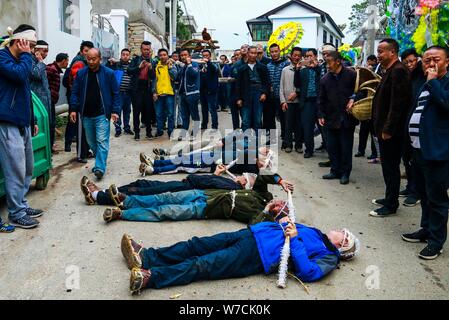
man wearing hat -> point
(17, 126)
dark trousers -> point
(77, 130)
(308, 119)
(223, 256)
(209, 105)
(271, 110)
(143, 109)
(145, 188)
(323, 132)
(189, 107)
(391, 153)
(235, 113)
(252, 111)
(431, 186)
(367, 130)
(293, 126)
(52, 119)
(223, 95)
(340, 143)
(407, 159)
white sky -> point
(230, 16)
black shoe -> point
(299, 150)
(137, 137)
(118, 134)
(405, 194)
(34, 213)
(382, 212)
(150, 137)
(379, 202)
(359, 154)
(99, 174)
(418, 236)
(179, 126)
(25, 222)
(326, 164)
(331, 176)
(344, 180)
(68, 148)
(288, 150)
(129, 132)
(429, 253)
(371, 157)
(320, 149)
(81, 160)
(308, 155)
(411, 201)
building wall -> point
(16, 12)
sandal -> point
(133, 259)
(87, 194)
(115, 196)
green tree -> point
(183, 31)
(359, 16)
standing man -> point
(39, 80)
(96, 97)
(178, 66)
(142, 73)
(164, 92)
(335, 101)
(390, 108)
(309, 93)
(235, 113)
(252, 89)
(223, 88)
(412, 61)
(290, 103)
(16, 127)
(273, 106)
(121, 69)
(76, 129)
(54, 72)
(189, 90)
(428, 130)
(209, 91)
(261, 57)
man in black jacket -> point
(335, 100)
(209, 90)
(141, 70)
(252, 90)
(390, 108)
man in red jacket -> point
(54, 72)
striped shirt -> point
(415, 121)
(126, 80)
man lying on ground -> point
(256, 250)
(259, 183)
(245, 206)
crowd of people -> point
(300, 95)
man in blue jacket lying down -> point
(239, 254)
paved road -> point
(34, 263)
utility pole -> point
(372, 26)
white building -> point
(319, 27)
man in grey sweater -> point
(290, 104)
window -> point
(261, 32)
(331, 40)
(324, 36)
(337, 43)
(70, 17)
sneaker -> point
(146, 170)
(325, 164)
(288, 150)
(118, 134)
(405, 194)
(150, 137)
(382, 212)
(137, 137)
(25, 222)
(139, 280)
(129, 132)
(110, 215)
(99, 174)
(379, 202)
(34, 213)
(359, 154)
(131, 251)
(411, 201)
(308, 155)
(374, 161)
(6, 228)
(429, 253)
(299, 150)
(418, 236)
(371, 157)
(146, 159)
(81, 160)
(331, 176)
(320, 149)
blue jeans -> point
(223, 256)
(209, 105)
(165, 107)
(179, 206)
(252, 112)
(17, 162)
(98, 131)
(125, 102)
(189, 108)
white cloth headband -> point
(328, 48)
(29, 35)
(41, 46)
